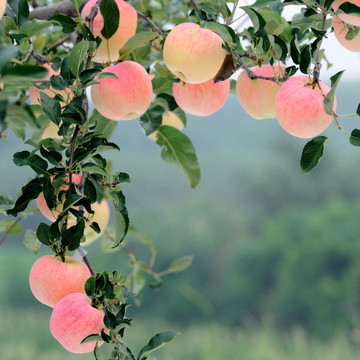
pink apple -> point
(201, 99)
(51, 279)
(257, 97)
(126, 97)
(109, 49)
(299, 107)
(73, 319)
(350, 19)
(340, 31)
(2, 8)
(193, 54)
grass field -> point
(25, 335)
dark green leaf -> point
(312, 153)
(348, 8)
(54, 157)
(28, 71)
(49, 194)
(111, 16)
(152, 119)
(179, 151)
(67, 23)
(77, 56)
(71, 237)
(121, 217)
(51, 108)
(19, 10)
(305, 59)
(90, 286)
(31, 27)
(355, 137)
(71, 201)
(42, 233)
(90, 190)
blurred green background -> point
(276, 273)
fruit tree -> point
(152, 62)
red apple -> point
(109, 49)
(201, 99)
(73, 319)
(51, 279)
(126, 97)
(300, 109)
(193, 54)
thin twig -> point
(316, 75)
(151, 23)
(7, 232)
(59, 42)
(195, 5)
(29, 53)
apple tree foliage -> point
(37, 32)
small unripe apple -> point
(109, 49)
(201, 99)
(193, 54)
(66, 94)
(257, 97)
(73, 319)
(340, 31)
(51, 279)
(169, 119)
(2, 8)
(350, 19)
(126, 97)
(300, 109)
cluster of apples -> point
(60, 285)
(343, 23)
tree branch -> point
(151, 23)
(9, 229)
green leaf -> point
(92, 337)
(42, 233)
(10, 225)
(152, 119)
(103, 125)
(31, 27)
(93, 168)
(38, 164)
(305, 59)
(348, 8)
(156, 342)
(111, 16)
(219, 29)
(179, 151)
(7, 52)
(180, 264)
(19, 10)
(355, 137)
(31, 241)
(330, 96)
(77, 56)
(138, 40)
(90, 285)
(27, 71)
(71, 237)
(97, 353)
(71, 201)
(121, 217)
(67, 23)
(312, 153)
(51, 108)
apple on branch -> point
(348, 18)
(340, 30)
(193, 54)
(299, 106)
(51, 279)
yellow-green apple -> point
(350, 19)
(109, 49)
(340, 31)
(300, 109)
(201, 99)
(73, 319)
(193, 54)
(126, 97)
(51, 279)
(2, 8)
(169, 119)
(257, 97)
(35, 93)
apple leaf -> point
(138, 40)
(121, 217)
(111, 16)
(329, 98)
(77, 56)
(355, 137)
(312, 153)
(179, 151)
(31, 241)
(180, 264)
(156, 342)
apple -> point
(126, 97)
(109, 49)
(73, 319)
(3, 4)
(350, 19)
(169, 119)
(340, 31)
(257, 97)
(51, 131)
(193, 54)
(35, 93)
(51, 279)
(299, 107)
(201, 99)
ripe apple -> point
(51, 279)
(340, 31)
(257, 97)
(201, 99)
(73, 319)
(193, 54)
(299, 107)
(126, 97)
(350, 19)
(35, 93)
(2, 8)
(109, 49)
(169, 119)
